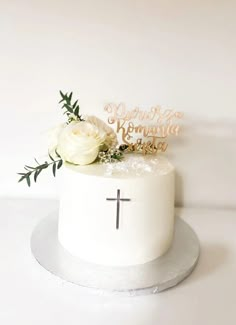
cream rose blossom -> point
(52, 136)
(111, 137)
(79, 142)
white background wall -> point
(176, 53)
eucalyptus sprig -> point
(56, 163)
(72, 109)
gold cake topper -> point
(144, 131)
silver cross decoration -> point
(117, 199)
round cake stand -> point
(152, 277)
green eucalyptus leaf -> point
(75, 103)
(59, 164)
(68, 107)
(21, 179)
(57, 154)
(37, 174)
(51, 157)
(36, 161)
(29, 167)
(54, 168)
(76, 111)
(28, 180)
(62, 95)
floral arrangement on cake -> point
(83, 140)
(79, 141)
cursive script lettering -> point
(152, 125)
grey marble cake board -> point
(152, 277)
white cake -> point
(96, 226)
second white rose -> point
(79, 142)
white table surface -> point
(31, 295)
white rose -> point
(52, 136)
(111, 137)
(79, 142)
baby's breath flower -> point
(110, 156)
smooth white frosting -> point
(87, 221)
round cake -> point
(118, 214)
